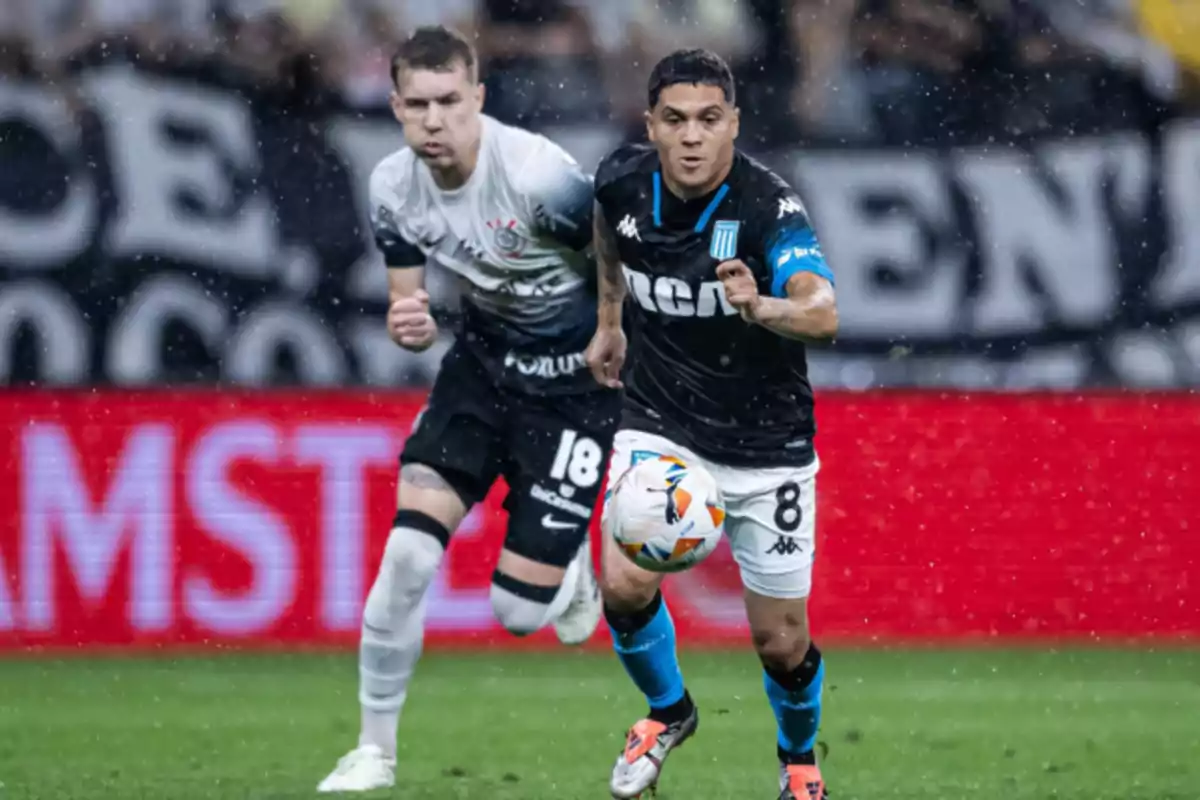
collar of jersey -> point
(705, 215)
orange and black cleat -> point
(647, 746)
(801, 782)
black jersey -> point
(696, 372)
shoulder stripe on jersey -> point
(657, 199)
(702, 223)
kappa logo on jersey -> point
(507, 239)
(628, 228)
(790, 205)
(664, 294)
(724, 239)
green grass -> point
(925, 725)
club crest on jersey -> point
(507, 240)
(723, 245)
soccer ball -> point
(666, 515)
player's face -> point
(693, 127)
(439, 110)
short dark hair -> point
(436, 48)
(698, 66)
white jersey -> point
(514, 233)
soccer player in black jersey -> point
(721, 278)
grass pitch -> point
(899, 725)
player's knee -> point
(416, 544)
(626, 593)
(410, 560)
(781, 651)
(522, 608)
(782, 646)
(624, 586)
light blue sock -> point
(648, 654)
(796, 700)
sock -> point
(566, 592)
(795, 698)
(393, 633)
(645, 643)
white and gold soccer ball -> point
(665, 514)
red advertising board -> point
(236, 518)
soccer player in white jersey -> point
(509, 213)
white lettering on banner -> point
(47, 240)
(253, 529)
(135, 352)
(1180, 278)
(1065, 245)
(153, 172)
(362, 145)
(8, 606)
(944, 249)
(136, 512)
(861, 239)
(251, 354)
(344, 452)
(63, 337)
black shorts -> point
(551, 451)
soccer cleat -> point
(578, 621)
(801, 782)
(361, 770)
(646, 749)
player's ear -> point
(397, 105)
(480, 95)
(649, 117)
(735, 123)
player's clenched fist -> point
(409, 322)
(606, 355)
(741, 289)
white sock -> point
(393, 633)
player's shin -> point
(795, 697)
(393, 624)
(644, 640)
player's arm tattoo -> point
(611, 283)
(420, 476)
(808, 312)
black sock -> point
(799, 677)
(809, 758)
(632, 622)
(676, 712)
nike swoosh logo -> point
(550, 522)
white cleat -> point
(578, 621)
(361, 770)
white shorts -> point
(770, 513)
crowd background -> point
(872, 72)
(1004, 187)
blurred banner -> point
(219, 519)
(161, 227)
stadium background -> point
(203, 406)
